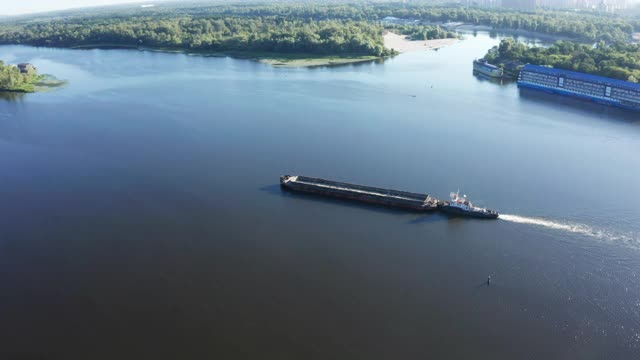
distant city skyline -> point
(34, 6)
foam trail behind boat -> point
(566, 226)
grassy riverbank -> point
(271, 58)
(302, 61)
(289, 60)
(42, 84)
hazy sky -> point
(15, 7)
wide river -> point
(141, 216)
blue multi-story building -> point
(599, 89)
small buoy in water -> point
(489, 280)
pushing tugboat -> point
(461, 206)
(386, 197)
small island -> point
(24, 78)
(20, 78)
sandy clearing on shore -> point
(402, 44)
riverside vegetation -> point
(12, 79)
(423, 32)
(16, 81)
(259, 34)
(617, 60)
(287, 30)
(218, 29)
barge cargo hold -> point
(367, 194)
(599, 89)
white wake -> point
(568, 227)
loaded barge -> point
(368, 194)
(457, 206)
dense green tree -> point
(290, 27)
(577, 25)
(11, 79)
(262, 33)
(618, 60)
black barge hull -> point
(475, 214)
(366, 194)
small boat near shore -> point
(483, 67)
(463, 207)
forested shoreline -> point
(618, 60)
(290, 28)
(349, 31)
(267, 34)
(577, 25)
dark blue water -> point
(141, 217)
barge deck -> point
(368, 194)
